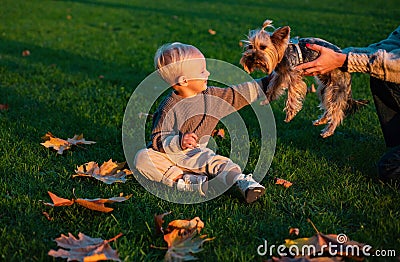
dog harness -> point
(297, 53)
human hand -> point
(189, 140)
(326, 62)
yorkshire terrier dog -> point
(277, 55)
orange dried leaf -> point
(182, 237)
(93, 205)
(60, 144)
(280, 181)
(109, 167)
(212, 32)
(220, 132)
(109, 172)
(186, 225)
(97, 204)
(84, 248)
(57, 143)
(58, 201)
(183, 240)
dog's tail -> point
(354, 105)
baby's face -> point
(195, 71)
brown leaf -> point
(3, 106)
(47, 216)
(109, 172)
(84, 248)
(280, 181)
(159, 221)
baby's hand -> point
(189, 140)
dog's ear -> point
(281, 35)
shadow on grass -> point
(188, 7)
(69, 63)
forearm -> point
(381, 60)
(381, 65)
(251, 91)
(166, 143)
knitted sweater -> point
(381, 60)
(199, 114)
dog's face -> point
(264, 50)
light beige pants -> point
(165, 168)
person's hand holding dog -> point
(189, 140)
(326, 62)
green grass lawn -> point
(87, 57)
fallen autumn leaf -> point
(84, 248)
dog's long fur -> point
(274, 54)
